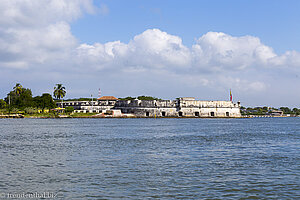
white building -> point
(181, 107)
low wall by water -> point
(12, 116)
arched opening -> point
(147, 114)
(212, 114)
(227, 114)
(197, 114)
(163, 114)
(180, 114)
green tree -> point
(20, 100)
(44, 101)
(18, 89)
(11, 98)
(286, 110)
(24, 99)
(147, 98)
(127, 98)
(47, 101)
(59, 91)
(3, 104)
(296, 111)
(265, 108)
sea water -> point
(151, 158)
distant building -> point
(181, 107)
(277, 113)
(97, 106)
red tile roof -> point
(107, 98)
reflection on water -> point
(151, 158)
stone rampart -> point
(181, 107)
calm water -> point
(152, 158)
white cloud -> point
(288, 59)
(34, 13)
(154, 48)
(151, 49)
(213, 53)
(241, 84)
(36, 36)
(100, 56)
(35, 31)
(222, 51)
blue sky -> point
(275, 22)
(167, 49)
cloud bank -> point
(36, 42)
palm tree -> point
(59, 91)
(18, 89)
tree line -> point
(21, 98)
(267, 110)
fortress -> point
(181, 107)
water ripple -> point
(152, 158)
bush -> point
(127, 98)
(30, 110)
(69, 109)
(14, 110)
(147, 98)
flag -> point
(230, 95)
(99, 93)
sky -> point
(166, 49)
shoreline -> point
(20, 116)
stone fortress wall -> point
(181, 107)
